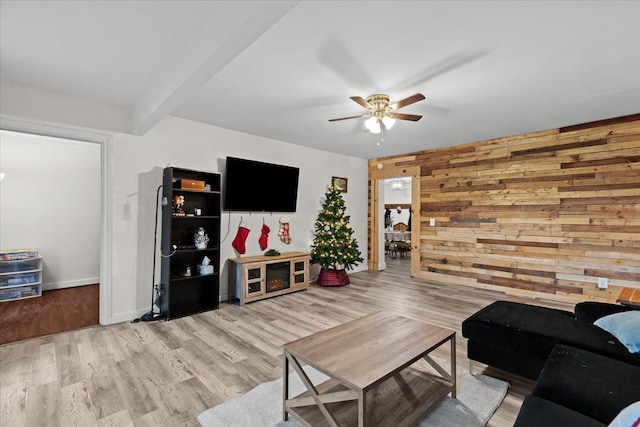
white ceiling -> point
(281, 69)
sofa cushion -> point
(591, 384)
(625, 326)
(516, 326)
(532, 331)
(590, 311)
(538, 412)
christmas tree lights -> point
(333, 244)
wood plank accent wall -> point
(542, 214)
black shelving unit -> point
(184, 289)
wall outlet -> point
(603, 283)
(432, 222)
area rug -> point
(478, 398)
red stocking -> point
(264, 237)
(241, 238)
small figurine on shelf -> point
(177, 208)
(201, 239)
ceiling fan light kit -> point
(382, 116)
(374, 126)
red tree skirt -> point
(333, 278)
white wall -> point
(137, 171)
(50, 201)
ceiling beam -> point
(172, 87)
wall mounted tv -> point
(252, 186)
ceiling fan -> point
(381, 114)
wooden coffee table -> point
(371, 378)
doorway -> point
(51, 201)
(396, 221)
(379, 173)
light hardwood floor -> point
(165, 373)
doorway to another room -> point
(397, 222)
(50, 202)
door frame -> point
(378, 171)
(105, 142)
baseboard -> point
(70, 283)
(127, 316)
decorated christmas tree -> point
(334, 247)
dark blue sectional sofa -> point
(580, 388)
(518, 337)
(585, 376)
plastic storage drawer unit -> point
(21, 278)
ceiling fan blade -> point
(347, 118)
(445, 65)
(407, 101)
(360, 100)
(402, 116)
(341, 60)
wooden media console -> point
(254, 278)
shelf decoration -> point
(205, 267)
(201, 239)
(334, 247)
(177, 207)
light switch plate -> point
(603, 283)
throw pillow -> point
(628, 417)
(625, 326)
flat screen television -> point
(253, 186)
